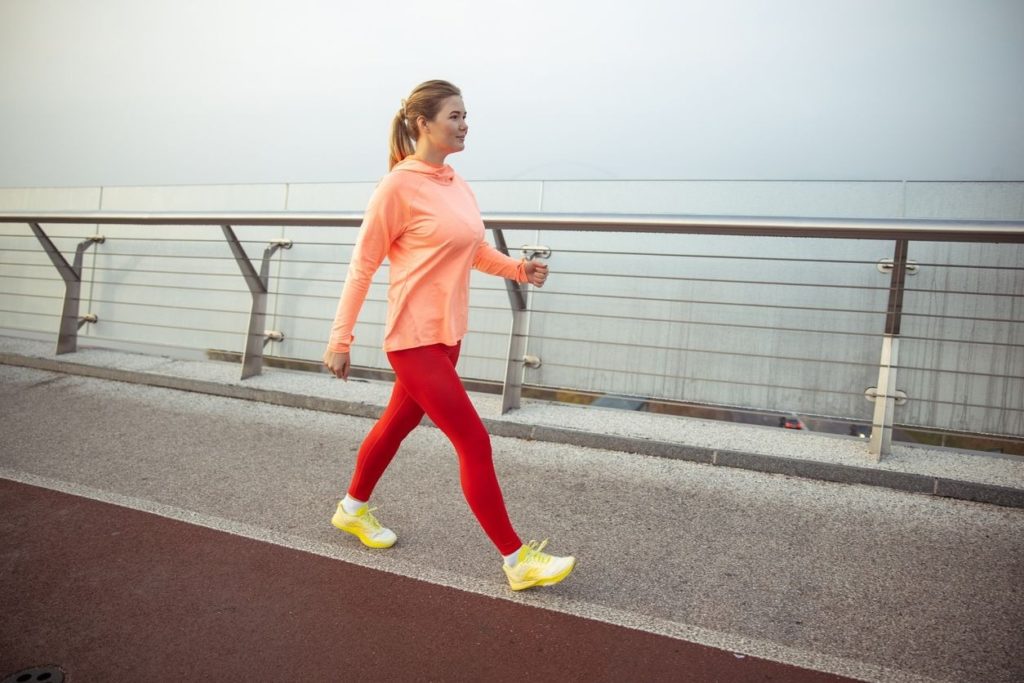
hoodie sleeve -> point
(490, 260)
(385, 217)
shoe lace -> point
(371, 520)
(532, 552)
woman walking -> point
(425, 220)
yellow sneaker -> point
(365, 526)
(535, 568)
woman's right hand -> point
(337, 363)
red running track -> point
(114, 594)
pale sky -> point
(150, 92)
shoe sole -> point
(546, 581)
(368, 542)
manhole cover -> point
(42, 674)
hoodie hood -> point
(442, 174)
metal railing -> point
(632, 310)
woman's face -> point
(447, 132)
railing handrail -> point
(831, 228)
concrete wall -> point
(611, 320)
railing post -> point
(67, 337)
(885, 394)
(512, 389)
(257, 335)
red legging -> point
(426, 381)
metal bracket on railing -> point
(67, 337)
(885, 266)
(900, 397)
(272, 336)
(257, 336)
(532, 251)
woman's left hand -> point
(536, 273)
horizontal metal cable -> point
(33, 277)
(44, 315)
(689, 378)
(690, 349)
(173, 240)
(324, 340)
(727, 257)
(34, 296)
(972, 266)
(325, 280)
(949, 371)
(321, 297)
(323, 244)
(290, 260)
(961, 292)
(29, 330)
(41, 264)
(241, 290)
(473, 332)
(767, 259)
(704, 323)
(272, 277)
(943, 316)
(167, 307)
(135, 255)
(945, 340)
(278, 257)
(960, 404)
(54, 276)
(178, 240)
(204, 273)
(341, 265)
(158, 240)
(376, 348)
(216, 240)
(312, 318)
(710, 303)
(97, 336)
(632, 276)
(177, 328)
(193, 240)
(740, 304)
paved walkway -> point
(965, 475)
(720, 573)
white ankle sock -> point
(351, 505)
(511, 560)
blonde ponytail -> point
(424, 100)
(401, 144)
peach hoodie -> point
(425, 220)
